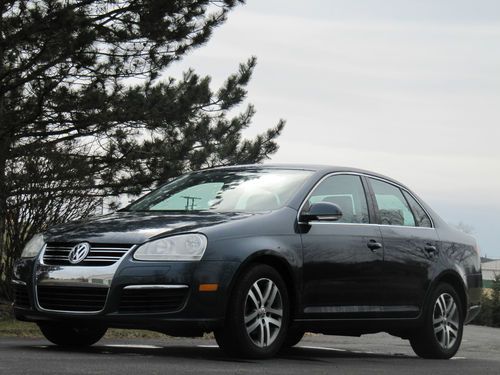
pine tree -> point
(73, 129)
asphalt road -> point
(370, 354)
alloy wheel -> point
(446, 321)
(263, 312)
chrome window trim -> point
(317, 222)
(359, 174)
(159, 286)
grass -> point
(14, 328)
(9, 327)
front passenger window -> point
(347, 192)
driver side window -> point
(347, 192)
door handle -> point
(431, 249)
(373, 245)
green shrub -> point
(490, 306)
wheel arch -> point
(278, 262)
(456, 281)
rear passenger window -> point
(421, 217)
(392, 206)
(347, 192)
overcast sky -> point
(406, 88)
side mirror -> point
(321, 211)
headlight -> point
(186, 247)
(33, 247)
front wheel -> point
(71, 336)
(441, 335)
(257, 316)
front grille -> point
(21, 298)
(64, 298)
(57, 253)
(152, 300)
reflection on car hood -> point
(135, 227)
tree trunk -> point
(4, 149)
(3, 212)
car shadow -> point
(213, 353)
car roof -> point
(318, 168)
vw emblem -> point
(79, 252)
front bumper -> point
(200, 311)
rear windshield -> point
(247, 190)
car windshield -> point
(225, 190)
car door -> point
(342, 260)
(411, 247)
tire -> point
(440, 338)
(71, 336)
(293, 337)
(253, 326)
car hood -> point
(136, 227)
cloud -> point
(409, 89)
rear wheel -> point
(258, 315)
(74, 336)
(441, 335)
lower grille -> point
(72, 298)
(21, 298)
(152, 300)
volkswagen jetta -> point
(258, 255)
